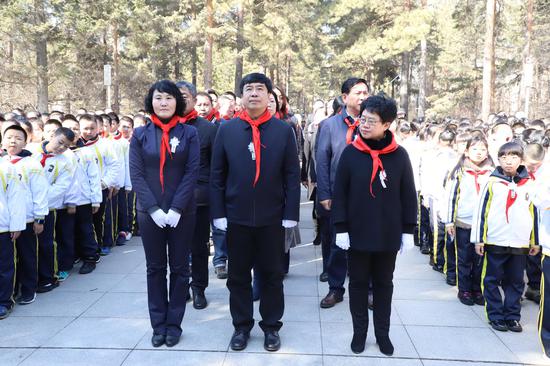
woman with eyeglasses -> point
(374, 211)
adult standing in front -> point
(334, 134)
(200, 249)
(164, 166)
(374, 212)
(255, 195)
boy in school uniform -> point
(35, 184)
(59, 173)
(505, 229)
(126, 128)
(109, 167)
(12, 222)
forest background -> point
(462, 58)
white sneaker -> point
(128, 236)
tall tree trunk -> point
(10, 52)
(287, 82)
(177, 62)
(488, 96)
(404, 82)
(194, 65)
(208, 45)
(116, 65)
(41, 44)
(240, 47)
(528, 61)
(422, 74)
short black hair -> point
(256, 77)
(114, 117)
(537, 123)
(67, 132)
(53, 121)
(447, 135)
(127, 119)
(351, 82)
(511, 148)
(384, 107)
(534, 151)
(277, 105)
(87, 117)
(212, 91)
(165, 86)
(16, 127)
(206, 95)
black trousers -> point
(65, 238)
(85, 241)
(364, 268)
(131, 204)
(450, 257)
(469, 263)
(544, 312)
(505, 270)
(27, 261)
(7, 269)
(439, 239)
(102, 222)
(199, 248)
(122, 211)
(262, 248)
(47, 252)
(533, 270)
(167, 307)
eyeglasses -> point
(370, 121)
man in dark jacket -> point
(255, 194)
(335, 133)
(199, 248)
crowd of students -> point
(483, 190)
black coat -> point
(207, 135)
(276, 195)
(374, 223)
(180, 171)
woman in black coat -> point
(374, 211)
(164, 166)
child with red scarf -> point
(374, 212)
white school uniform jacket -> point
(462, 195)
(34, 181)
(504, 214)
(109, 164)
(59, 173)
(12, 194)
(415, 149)
(541, 199)
(122, 148)
(86, 186)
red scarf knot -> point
(512, 195)
(476, 175)
(211, 116)
(15, 159)
(117, 135)
(256, 140)
(189, 116)
(362, 146)
(352, 125)
(165, 142)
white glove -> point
(159, 217)
(221, 223)
(407, 242)
(287, 224)
(342, 240)
(172, 218)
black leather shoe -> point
(323, 277)
(466, 298)
(478, 298)
(171, 340)
(385, 345)
(358, 343)
(450, 281)
(331, 299)
(532, 294)
(514, 326)
(199, 300)
(239, 340)
(158, 340)
(424, 248)
(272, 341)
(499, 325)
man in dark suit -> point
(255, 195)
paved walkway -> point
(102, 319)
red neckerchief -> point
(189, 116)
(352, 125)
(45, 155)
(216, 113)
(211, 115)
(361, 145)
(256, 140)
(226, 116)
(15, 159)
(117, 135)
(165, 143)
(532, 175)
(512, 195)
(476, 174)
(277, 115)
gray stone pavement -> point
(102, 319)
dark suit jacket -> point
(276, 195)
(207, 134)
(180, 171)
